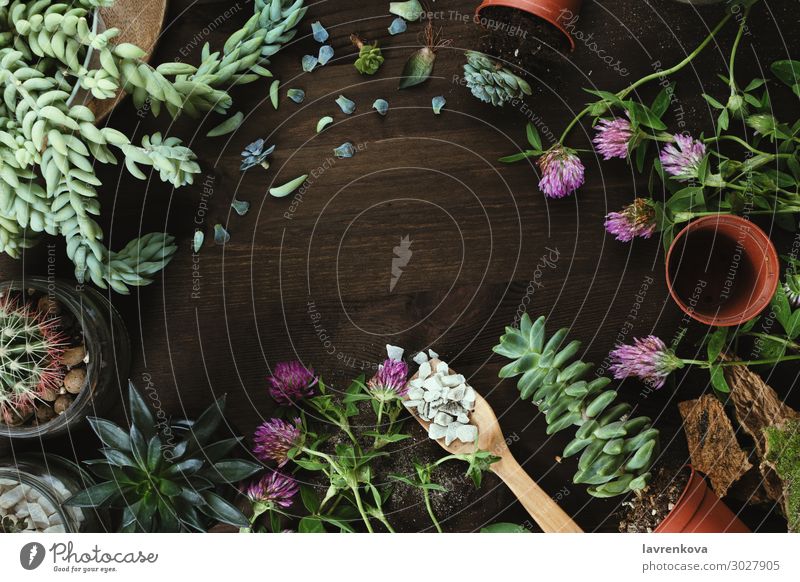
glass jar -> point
(107, 358)
(33, 491)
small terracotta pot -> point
(556, 12)
(722, 270)
(699, 510)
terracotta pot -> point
(699, 510)
(556, 12)
(722, 270)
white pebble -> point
(424, 370)
(452, 380)
(467, 433)
(11, 497)
(55, 529)
(442, 368)
(433, 355)
(442, 419)
(420, 358)
(436, 432)
(394, 352)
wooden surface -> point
(310, 279)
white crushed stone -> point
(32, 510)
(394, 352)
(443, 399)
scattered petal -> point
(324, 122)
(273, 92)
(381, 106)
(410, 10)
(227, 126)
(398, 25)
(296, 95)
(319, 32)
(309, 62)
(255, 155)
(197, 241)
(240, 206)
(437, 103)
(346, 105)
(288, 187)
(346, 150)
(221, 236)
(325, 54)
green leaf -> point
(140, 413)
(184, 468)
(310, 465)
(718, 379)
(780, 306)
(118, 458)
(310, 525)
(227, 126)
(661, 102)
(208, 423)
(139, 447)
(418, 68)
(153, 454)
(504, 528)
(95, 496)
(310, 498)
(218, 508)
(713, 102)
(232, 471)
(169, 488)
(110, 434)
(642, 115)
(715, 343)
(793, 325)
(787, 71)
(533, 136)
(722, 121)
(218, 450)
(514, 158)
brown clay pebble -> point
(49, 394)
(62, 403)
(73, 356)
(48, 305)
(44, 413)
(74, 380)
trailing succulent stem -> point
(30, 347)
(49, 146)
(616, 451)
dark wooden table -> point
(310, 278)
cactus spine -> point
(30, 347)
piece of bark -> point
(757, 406)
(712, 442)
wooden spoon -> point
(540, 506)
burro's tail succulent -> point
(616, 451)
(30, 347)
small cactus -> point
(30, 348)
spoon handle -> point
(541, 507)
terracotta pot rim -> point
(772, 277)
(530, 7)
(690, 488)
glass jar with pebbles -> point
(62, 348)
(32, 492)
(443, 399)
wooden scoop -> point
(540, 506)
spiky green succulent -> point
(167, 481)
(30, 347)
(616, 451)
(491, 82)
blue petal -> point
(309, 62)
(398, 25)
(437, 103)
(381, 106)
(325, 54)
(319, 32)
(346, 150)
(221, 236)
(347, 106)
(197, 241)
(240, 206)
(296, 95)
